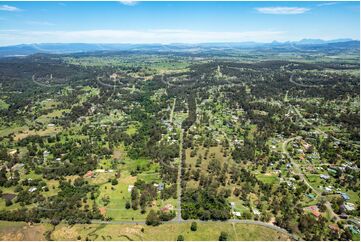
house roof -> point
(334, 227)
(345, 196)
(316, 213)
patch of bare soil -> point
(26, 232)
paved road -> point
(172, 111)
(45, 85)
(179, 185)
(301, 84)
(321, 131)
(295, 165)
(298, 169)
(330, 210)
(303, 178)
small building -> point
(311, 196)
(325, 177)
(17, 167)
(344, 196)
(312, 208)
(237, 214)
(349, 206)
(308, 147)
(232, 204)
(130, 188)
(160, 187)
(256, 211)
(32, 189)
(333, 172)
(334, 228)
(89, 174)
(99, 170)
(343, 215)
(328, 189)
(168, 207)
(12, 152)
(354, 230)
(315, 213)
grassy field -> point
(3, 104)
(23, 231)
(208, 231)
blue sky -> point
(170, 22)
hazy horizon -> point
(129, 22)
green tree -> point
(223, 236)
(180, 238)
(152, 218)
(127, 204)
(114, 182)
(194, 226)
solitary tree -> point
(152, 218)
(180, 238)
(223, 236)
(194, 226)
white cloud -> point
(133, 36)
(282, 10)
(129, 2)
(43, 23)
(9, 8)
(326, 4)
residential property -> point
(354, 229)
(325, 177)
(349, 206)
(343, 215)
(160, 186)
(315, 213)
(256, 211)
(168, 207)
(89, 174)
(130, 188)
(344, 196)
(311, 196)
(32, 189)
(12, 152)
(328, 189)
(334, 228)
(333, 172)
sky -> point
(175, 22)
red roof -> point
(312, 208)
(316, 213)
(89, 173)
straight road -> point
(179, 181)
(172, 111)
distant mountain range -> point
(62, 48)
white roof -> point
(130, 187)
(32, 189)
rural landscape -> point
(214, 141)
